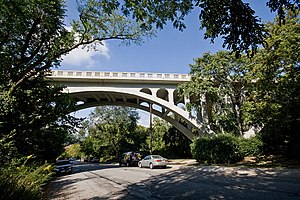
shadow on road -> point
(205, 182)
(61, 182)
(218, 183)
(85, 166)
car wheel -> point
(140, 165)
(151, 166)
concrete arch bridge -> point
(133, 89)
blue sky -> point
(171, 51)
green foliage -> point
(33, 37)
(23, 181)
(35, 121)
(235, 21)
(168, 141)
(275, 93)
(159, 129)
(217, 90)
(33, 114)
(177, 145)
(251, 146)
(218, 149)
(262, 91)
(225, 148)
(73, 150)
(111, 131)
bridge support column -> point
(186, 100)
(171, 95)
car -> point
(130, 159)
(63, 167)
(72, 160)
(153, 161)
(85, 159)
(94, 160)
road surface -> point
(107, 181)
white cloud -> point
(85, 58)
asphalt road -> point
(107, 181)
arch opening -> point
(177, 99)
(146, 91)
(163, 94)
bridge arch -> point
(121, 98)
(107, 88)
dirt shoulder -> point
(250, 166)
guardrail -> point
(120, 75)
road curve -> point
(94, 181)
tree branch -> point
(28, 37)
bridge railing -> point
(120, 75)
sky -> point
(171, 51)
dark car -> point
(63, 167)
(130, 159)
(94, 160)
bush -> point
(218, 149)
(23, 182)
(251, 147)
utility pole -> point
(150, 128)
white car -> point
(153, 161)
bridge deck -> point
(126, 76)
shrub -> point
(251, 146)
(23, 181)
(218, 149)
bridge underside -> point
(92, 99)
(137, 90)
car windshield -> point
(156, 156)
(62, 163)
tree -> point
(160, 128)
(73, 150)
(33, 38)
(217, 90)
(275, 93)
(35, 121)
(234, 21)
(168, 141)
(114, 129)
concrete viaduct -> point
(132, 89)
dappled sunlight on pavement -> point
(178, 182)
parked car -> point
(63, 167)
(72, 160)
(94, 160)
(130, 159)
(153, 161)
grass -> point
(23, 182)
